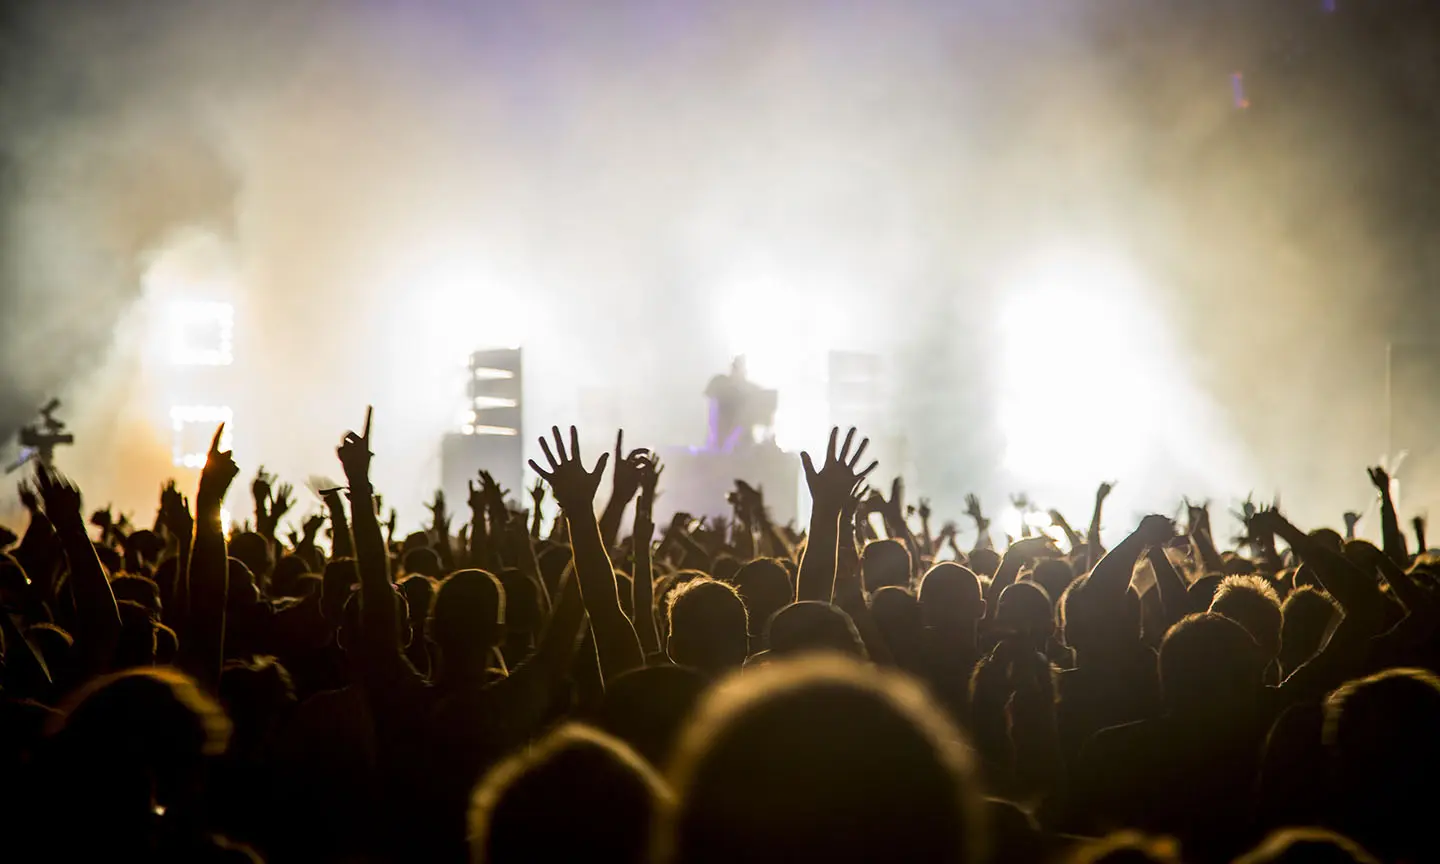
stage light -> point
(193, 427)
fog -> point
(636, 191)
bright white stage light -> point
(193, 426)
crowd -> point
(726, 690)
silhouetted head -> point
(764, 585)
(724, 568)
(349, 634)
(603, 795)
(897, 615)
(1307, 616)
(1329, 538)
(1054, 575)
(1380, 733)
(467, 619)
(419, 594)
(422, 561)
(336, 585)
(522, 601)
(258, 695)
(1126, 847)
(1209, 666)
(885, 562)
(709, 630)
(137, 740)
(1025, 610)
(646, 707)
(253, 550)
(142, 549)
(820, 759)
(136, 645)
(809, 626)
(240, 589)
(286, 581)
(1202, 591)
(1251, 602)
(985, 562)
(1307, 846)
(138, 589)
(950, 597)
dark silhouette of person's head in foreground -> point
(577, 795)
(820, 759)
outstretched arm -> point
(1112, 575)
(1093, 549)
(982, 525)
(1174, 600)
(379, 617)
(1390, 522)
(626, 483)
(642, 581)
(202, 643)
(97, 616)
(616, 644)
(830, 490)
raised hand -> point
(1030, 548)
(439, 518)
(311, 528)
(537, 496)
(260, 488)
(61, 499)
(477, 497)
(832, 485)
(649, 482)
(972, 509)
(28, 498)
(284, 499)
(1104, 490)
(354, 453)
(924, 509)
(627, 468)
(1197, 517)
(175, 513)
(574, 487)
(219, 472)
(1351, 520)
(1380, 478)
(1156, 530)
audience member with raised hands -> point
(831, 487)
(574, 488)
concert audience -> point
(738, 691)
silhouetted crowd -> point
(718, 690)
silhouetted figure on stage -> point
(737, 406)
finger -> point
(559, 442)
(538, 470)
(830, 448)
(849, 439)
(855, 460)
(600, 466)
(863, 474)
(807, 464)
(549, 457)
(619, 443)
(369, 410)
(215, 442)
(575, 444)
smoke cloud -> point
(636, 191)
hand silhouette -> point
(574, 487)
(832, 484)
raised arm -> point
(1390, 522)
(97, 616)
(892, 510)
(1058, 520)
(175, 515)
(379, 616)
(1355, 591)
(202, 644)
(1016, 555)
(1093, 549)
(440, 532)
(1418, 523)
(1174, 600)
(626, 482)
(1198, 519)
(537, 501)
(642, 581)
(830, 489)
(1112, 575)
(616, 644)
(982, 525)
